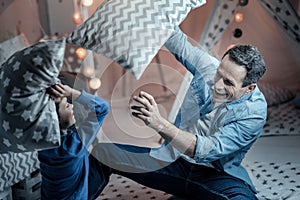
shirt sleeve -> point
(194, 58)
(230, 138)
(97, 109)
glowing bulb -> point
(87, 2)
(77, 19)
(81, 53)
(95, 83)
(238, 17)
(230, 46)
(88, 71)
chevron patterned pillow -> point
(28, 119)
(131, 32)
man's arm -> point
(227, 140)
(184, 141)
(194, 58)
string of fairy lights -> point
(79, 16)
(238, 18)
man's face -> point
(228, 81)
(65, 112)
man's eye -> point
(227, 82)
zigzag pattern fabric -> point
(220, 18)
(131, 32)
(14, 167)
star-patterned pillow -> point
(28, 119)
(132, 32)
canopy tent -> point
(272, 26)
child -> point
(65, 169)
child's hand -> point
(59, 91)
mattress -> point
(283, 119)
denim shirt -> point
(232, 127)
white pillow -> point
(131, 32)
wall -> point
(20, 16)
(59, 16)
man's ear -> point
(250, 88)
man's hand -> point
(148, 111)
(58, 91)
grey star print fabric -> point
(28, 119)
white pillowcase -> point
(131, 32)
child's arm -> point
(97, 109)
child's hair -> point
(57, 108)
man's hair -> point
(249, 57)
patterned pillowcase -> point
(8, 47)
(28, 119)
(132, 32)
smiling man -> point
(222, 115)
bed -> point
(283, 119)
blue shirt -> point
(65, 169)
(224, 132)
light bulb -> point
(243, 2)
(88, 71)
(238, 17)
(87, 2)
(77, 19)
(95, 83)
(81, 53)
(237, 33)
(230, 46)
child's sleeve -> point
(97, 109)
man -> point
(65, 169)
(222, 115)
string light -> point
(87, 2)
(77, 18)
(238, 17)
(81, 53)
(95, 83)
(88, 71)
(230, 46)
(243, 2)
(237, 33)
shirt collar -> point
(241, 99)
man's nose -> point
(219, 83)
